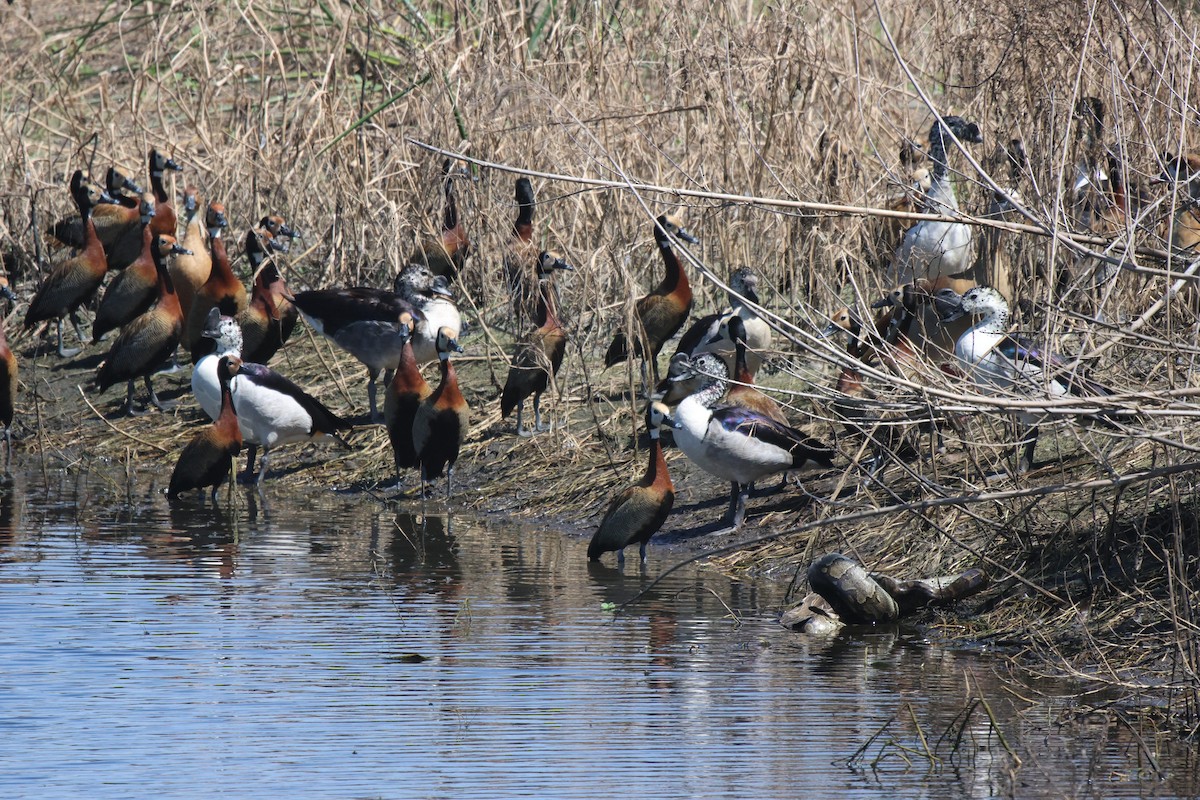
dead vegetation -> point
(308, 110)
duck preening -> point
(432, 296)
(736, 443)
(146, 342)
(73, 282)
(269, 317)
(442, 420)
(447, 253)
(538, 357)
(639, 511)
(208, 459)
(660, 314)
(930, 248)
(995, 359)
(115, 218)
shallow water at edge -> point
(326, 646)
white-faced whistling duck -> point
(146, 343)
(701, 336)
(995, 359)
(208, 458)
(443, 420)
(262, 321)
(661, 313)
(164, 212)
(930, 249)
(281, 237)
(73, 282)
(272, 411)
(910, 328)
(222, 290)
(190, 272)
(115, 217)
(521, 257)
(537, 358)
(222, 337)
(133, 289)
(639, 512)
(851, 392)
(8, 376)
(405, 393)
(364, 322)
(446, 254)
(1184, 172)
(431, 295)
(736, 443)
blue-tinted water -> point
(327, 646)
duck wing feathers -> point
(737, 419)
(1022, 351)
(323, 420)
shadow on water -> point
(326, 645)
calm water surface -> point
(322, 645)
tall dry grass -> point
(306, 109)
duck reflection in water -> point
(425, 558)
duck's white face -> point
(982, 299)
(446, 343)
(840, 320)
(660, 416)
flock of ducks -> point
(168, 295)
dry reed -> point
(308, 110)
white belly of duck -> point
(205, 385)
(268, 417)
(731, 455)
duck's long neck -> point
(523, 227)
(166, 286)
(448, 391)
(547, 312)
(675, 280)
(741, 370)
(656, 470)
(941, 191)
(408, 367)
(710, 393)
(221, 271)
(995, 320)
(156, 186)
(450, 219)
